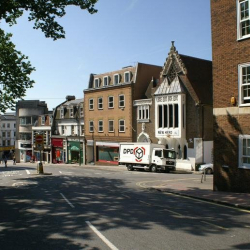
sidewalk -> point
(195, 189)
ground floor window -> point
(244, 151)
(107, 154)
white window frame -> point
(120, 101)
(116, 75)
(82, 129)
(241, 21)
(100, 126)
(100, 103)
(63, 129)
(50, 120)
(42, 120)
(91, 105)
(91, 126)
(242, 85)
(129, 76)
(105, 81)
(81, 111)
(71, 112)
(8, 125)
(72, 130)
(111, 126)
(3, 125)
(97, 82)
(111, 103)
(121, 125)
(241, 155)
(62, 113)
(143, 113)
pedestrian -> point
(5, 161)
(14, 160)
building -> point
(42, 127)
(231, 93)
(178, 111)
(67, 140)
(7, 134)
(27, 113)
(108, 108)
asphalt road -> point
(80, 208)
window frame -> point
(42, 120)
(119, 101)
(111, 126)
(118, 80)
(120, 125)
(97, 82)
(91, 99)
(111, 102)
(100, 126)
(240, 21)
(105, 81)
(62, 113)
(241, 85)
(91, 126)
(241, 164)
(100, 103)
(129, 76)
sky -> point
(121, 33)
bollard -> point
(40, 168)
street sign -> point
(39, 142)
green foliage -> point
(14, 66)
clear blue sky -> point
(122, 33)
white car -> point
(208, 168)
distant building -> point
(67, 140)
(27, 113)
(231, 93)
(109, 115)
(178, 111)
(7, 133)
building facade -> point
(182, 94)
(7, 134)
(27, 113)
(231, 91)
(67, 140)
(109, 113)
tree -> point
(15, 69)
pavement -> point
(200, 187)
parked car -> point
(208, 168)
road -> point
(81, 208)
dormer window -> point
(105, 81)
(42, 120)
(127, 76)
(116, 79)
(62, 113)
(71, 112)
(97, 82)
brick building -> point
(108, 108)
(178, 111)
(231, 91)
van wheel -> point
(130, 167)
(208, 171)
(154, 168)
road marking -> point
(65, 173)
(126, 196)
(27, 171)
(102, 237)
(67, 200)
(145, 203)
(211, 224)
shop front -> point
(75, 152)
(58, 155)
(107, 152)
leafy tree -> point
(15, 69)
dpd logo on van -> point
(139, 153)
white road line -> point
(102, 237)
(67, 200)
(27, 171)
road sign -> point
(39, 142)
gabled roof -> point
(193, 73)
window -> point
(121, 101)
(243, 19)
(3, 134)
(143, 112)
(8, 125)
(111, 102)
(81, 112)
(72, 129)
(25, 136)
(4, 143)
(82, 129)
(111, 125)
(168, 116)
(244, 151)
(63, 129)
(244, 84)
(25, 120)
(50, 120)
(62, 113)
(100, 126)
(105, 81)
(97, 82)
(121, 125)
(91, 126)
(91, 104)
(8, 134)
(116, 79)
(71, 112)
(3, 125)
(100, 103)
(42, 120)
(8, 142)
(127, 76)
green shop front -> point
(75, 151)
(107, 152)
